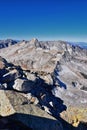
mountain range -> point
(9, 42)
(43, 85)
(80, 44)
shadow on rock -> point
(82, 126)
(47, 100)
(18, 122)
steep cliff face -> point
(50, 75)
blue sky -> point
(44, 19)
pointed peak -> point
(34, 40)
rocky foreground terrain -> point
(43, 86)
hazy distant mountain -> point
(80, 44)
(7, 43)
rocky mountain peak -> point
(33, 41)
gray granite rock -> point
(23, 85)
(12, 106)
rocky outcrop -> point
(34, 90)
(23, 85)
(15, 106)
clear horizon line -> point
(46, 39)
